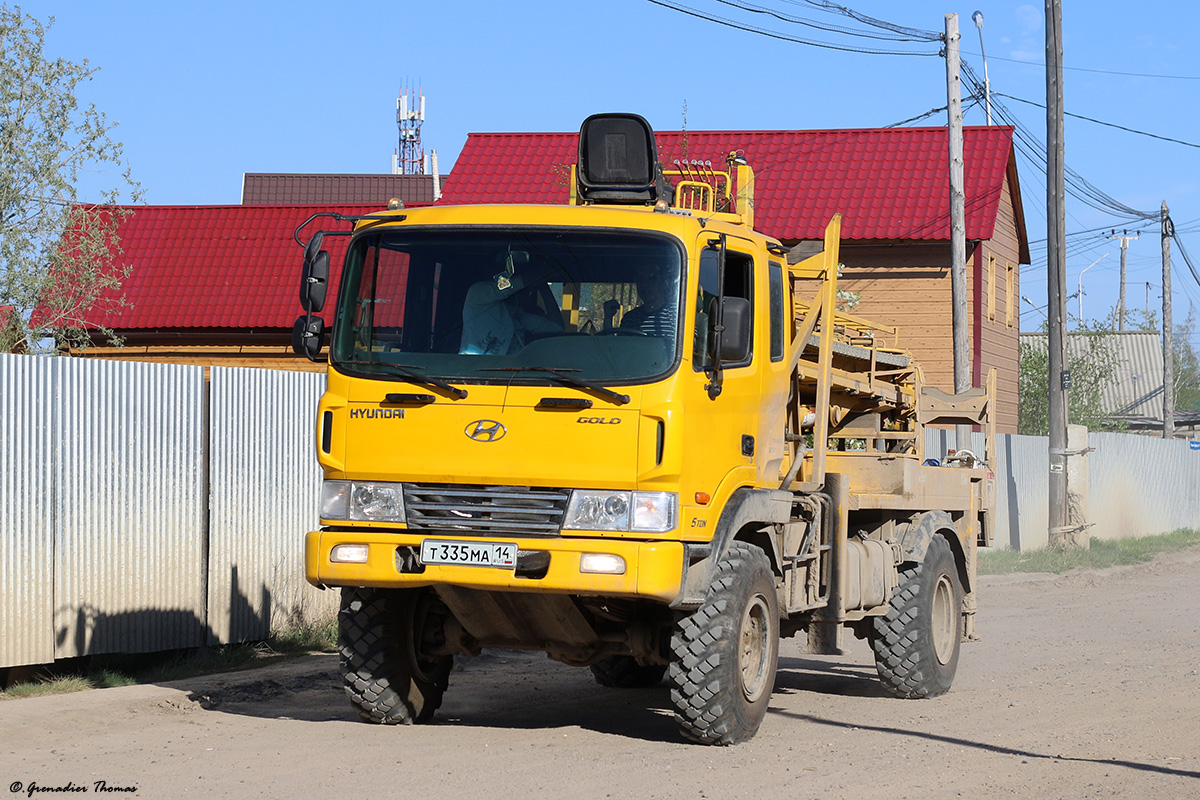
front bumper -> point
(653, 570)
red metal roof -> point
(219, 266)
(889, 183)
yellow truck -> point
(631, 432)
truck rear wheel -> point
(916, 643)
(381, 638)
(724, 654)
(624, 672)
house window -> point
(1010, 293)
(991, 281)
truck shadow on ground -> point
(512, 690)
(991, 748)
(827, 677)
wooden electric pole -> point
(1168, 338)
(958, 225)
(1119, 322)
(1059, 534)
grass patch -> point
(1102, 553)
(102, 672)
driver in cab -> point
(656, 316)
(494, 323)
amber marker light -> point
(703, 498)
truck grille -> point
(485, 510)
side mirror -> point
(307, 334)
(314, 278)
(736, 338)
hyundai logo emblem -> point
(485, 430)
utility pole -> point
(1059, 534)
(1168, 338)
(1119, 322)
(958, 225)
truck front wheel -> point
(724, 654)
(382, 636)
(916, 643)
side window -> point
(739, 282)
(775, 274)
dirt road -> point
(1085, 685)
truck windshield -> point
(478, 305)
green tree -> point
(1092, 362)
(1187, 365)
(58, 268)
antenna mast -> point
(410, 113)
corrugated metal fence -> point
(1138, 485)
(139, 513)
(142, 509)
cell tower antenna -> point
(410, 113)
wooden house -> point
(214, 285)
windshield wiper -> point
(564, 377)
(407, 371)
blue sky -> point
(206, 92)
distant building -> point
(277, 189)
(1135, 394)
(216, 285)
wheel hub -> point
(754, 647)
(945, 616)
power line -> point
(1101, 122)
(888, 36)
(692, 12)
(1097, 71)
(917, 118)
(834, 8)
(1076, 185)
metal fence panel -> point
(265, 493)
(26, 511)
(1138, 485)
(129, 507)
(1142, 485)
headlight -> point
(650, 512)
(360, 500)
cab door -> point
(723, 444)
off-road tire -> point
(624, 672)
(380, 638)
(724, 654)
(917, 642)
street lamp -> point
(977, 18)
(1085, 269)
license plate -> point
(469, 554)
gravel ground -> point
(1084, 685)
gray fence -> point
(139, 513)
(142, 509)
(1138, 485)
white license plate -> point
(469, 554)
